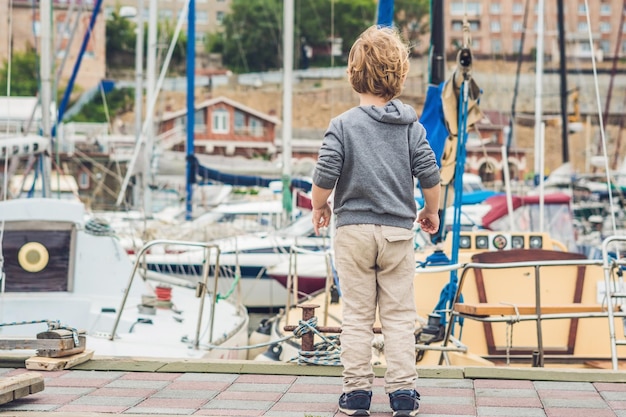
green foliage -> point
(117, 101)
(121, 41)
(120, 35)
(413, 17)
(24, 74)
(252, 35)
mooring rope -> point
(99, 227)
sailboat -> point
(509, 296)
(64, 271)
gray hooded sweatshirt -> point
(371, 155)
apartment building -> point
(209, 13)
(497, 26)
(23, 16)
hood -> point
(394, 112)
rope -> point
(326, 352)
(231, 289)
(99, 227)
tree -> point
(120, 36)
(411, 16)
(252, 35)
(24, 74)
(118, 101)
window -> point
(166, 14)
(496, 46)
(605, 9)
(199, 121)
(605, 46)
(220, 121)
(83, 180)
(219, 17)
(202, 17)
(517, 46)
(582, 27)
(256, 127)
(518, 27)
(240, 123)
(200, 37)
(495, 27)
(605, 27)
(494, 8)
(457, 26)
(518, 8)
(460, 9)
(582, 10)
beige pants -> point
(376, 266)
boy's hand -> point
(429, 222)
(321, 218)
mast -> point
(139, 85)
(437, 43)
(151, 71)
(563, 78)
(191, 108)
(45, 17)
(288, 18)
(538, 85)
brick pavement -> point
(279, 392)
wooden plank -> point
(19, 386)
(58, 344)
(487, 309)
(12, 383)
(53, 364)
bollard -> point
(308, 312)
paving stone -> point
(562, 385)
(199, 376)
(495, 392)
(509, 412)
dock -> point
(143, 387)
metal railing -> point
(201, 286)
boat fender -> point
(260, 336)
(33, 257)
(273, 352)
(334, 294)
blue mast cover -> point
(385, 13)
(433, 120)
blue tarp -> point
(206, 173)
(433, 120)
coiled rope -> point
(99, 227)
(327, 352)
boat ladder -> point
(615, 292)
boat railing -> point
(512, 313)
(201, 286)
(292, 278)
(615, 290)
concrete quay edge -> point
(141, 364)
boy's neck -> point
(366, 99)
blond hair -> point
(378, 62)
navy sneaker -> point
(355, 403)
(404, 402)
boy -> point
(370, 156)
